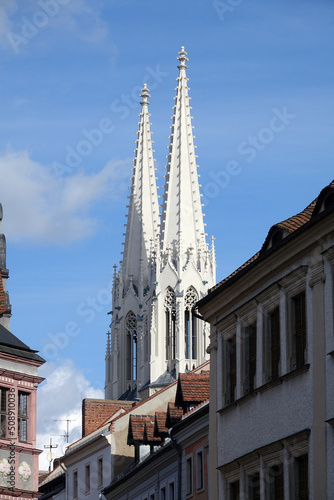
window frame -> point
(200, 479)
(3, 412)
(99, 472)
(189, 475)
(23, 418)
(75, 485)
(87, 478)
(292, 285)
(298, 329)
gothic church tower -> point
(167, 265)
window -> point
(250, 357)
(170, 315)
(302, 480)
(199, 470)
(190, 325)
(275, 343)
(231, 379)
(163, 493)
(276, 481)
(87, 478)
(299, 329)
(234, 491)
(131, 346)
(75, 484)
(100, 472)
(3, 412)
(189, 476)
(171, 491)
(254, 486)
(152, 496)
(22, 427)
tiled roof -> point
(136, 428)
(160, 428)
(10, 344)
(141, 430)
(192, 388)
(288, 227)
(149, 437)
(174, 414)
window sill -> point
(264, 387)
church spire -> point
(143, 215)
(5, 307)
(182, 226)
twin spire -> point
(143, 217)
(181, 232)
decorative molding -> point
(318, 275)
(293, 281)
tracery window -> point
(170, 315)
(131, 345)
(190, 324)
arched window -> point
(131, 346)
(170, 314)
(190, 324)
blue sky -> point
(261, 82)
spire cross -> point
(182, 58)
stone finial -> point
(144, 95)
(182, 58)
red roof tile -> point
(160, 428)
(136, 428)
(174, 414)
(192, 388)
(149, 437)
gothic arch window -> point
(131, 346)
(170, 315)
(190, 324)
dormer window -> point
(329, 200)
(277, 237)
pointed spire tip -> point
(144, 95)
(182, 58)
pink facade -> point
(18, 385)
(18, 454)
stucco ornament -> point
(24, 471)
(4, 467)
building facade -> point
(171, 447)
(167, 265)
(272, 367)
(18, 387)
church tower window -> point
(170, 312)
(190, 325)
(131, 346)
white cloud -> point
(41, 208)
(7, 8)
(58, 400)
(19, 25)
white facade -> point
(272, 367)
(166, 266)
(89, 468)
